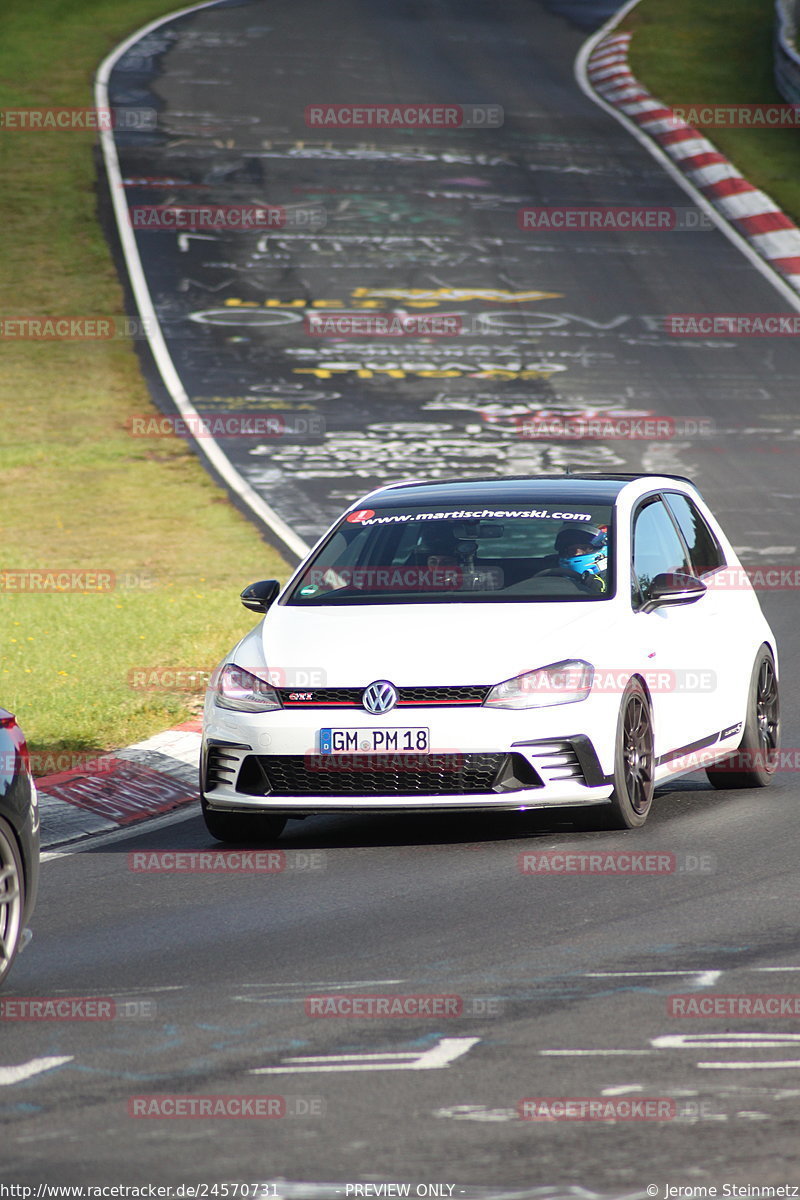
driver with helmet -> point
(582, 557)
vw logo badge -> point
(379, 697)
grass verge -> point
(691, 52)
(78, 491)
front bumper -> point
(480, 760)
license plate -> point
(373, 741)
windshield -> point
(413, 556)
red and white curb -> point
(750, 211)
(122, 787)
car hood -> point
(420, 644)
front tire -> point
(755, 762)
(246, 829)
(634, 761)
(12, 898)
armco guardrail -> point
(787, 56)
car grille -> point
(408, 697)
(336, 775)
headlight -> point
(237, 688)
(560, 683)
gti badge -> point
(379, 697)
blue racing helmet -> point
(582, 550)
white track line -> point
(98, 840)
(10, 1075)
(207, 447)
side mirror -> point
(258, 596)
(673, 589)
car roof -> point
(586, 488)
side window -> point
(705, 550)
(657, 549)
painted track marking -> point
(446, 1051)
(36, 1066)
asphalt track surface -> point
(564, 981)
(560, 321)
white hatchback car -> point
(495, 644)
